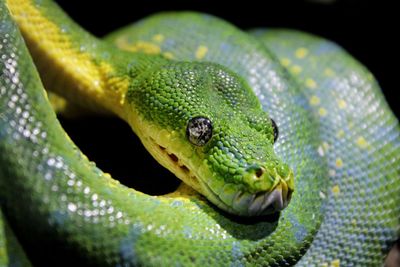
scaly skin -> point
(344, 175)
(237, 169)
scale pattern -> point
(335, 130)
(360, 140)
(357, 131)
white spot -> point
(48, 176)
(110, 210)
(26, 133)
(72, 207)
(59, 164)
(86, 190)
(51, 161)
(321, 151)
(88, 213)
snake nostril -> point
(259, 172)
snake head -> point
(204, 124)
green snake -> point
(287, 149)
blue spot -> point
(301, 231)
(225, 47)
(236, 253)
(325, 48)
(169, 42)
(176, 203)
(6, 27)
(58, 219)
(127, 247)
(187, 231)
(65, 28)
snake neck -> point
(75, 64)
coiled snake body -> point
(207, 101)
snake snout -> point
(273, 191)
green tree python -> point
(287, 149)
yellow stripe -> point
(56, 51)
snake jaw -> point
(236, 200)
(231, 198)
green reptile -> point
(286, 147)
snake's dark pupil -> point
(199, 130)
(276, 131)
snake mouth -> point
(236, 201)
(252, 204)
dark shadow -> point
(271, 218)
(250, 228)
(115, 149)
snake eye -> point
(276, 131)
(199, 131)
